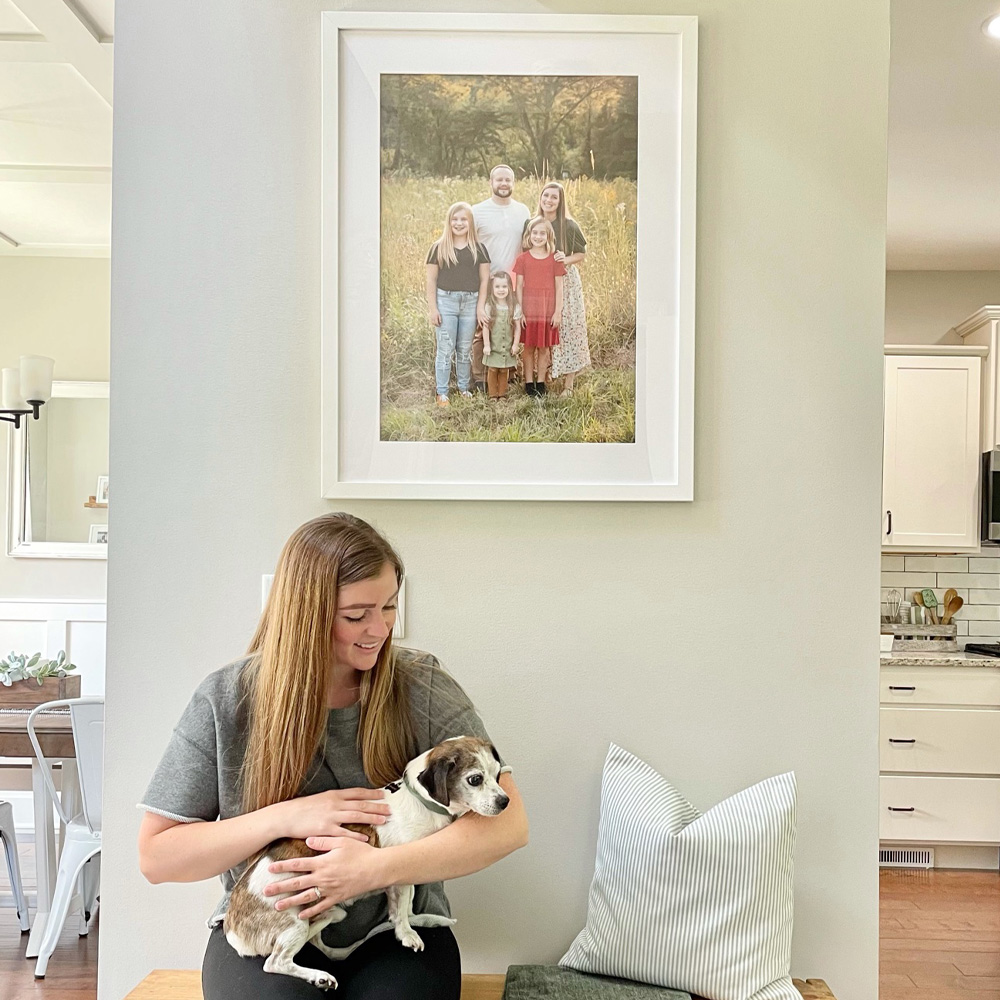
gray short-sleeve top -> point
(198, 777)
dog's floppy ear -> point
(493, 750)
(435, 778)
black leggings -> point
(381, 969)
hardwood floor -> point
(940, 940)
(940, 935)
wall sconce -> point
(26, 389)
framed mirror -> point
(57, 477)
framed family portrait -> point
(508, 256)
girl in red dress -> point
(540, 296)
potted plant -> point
(32, 680)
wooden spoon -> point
(952, 609)
(948, 595)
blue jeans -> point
(455, 336)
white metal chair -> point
(13, 864)
(82, 839)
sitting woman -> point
(289, 742)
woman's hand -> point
(326, 813)
(347, 870)
(434, 317)
(559, 256)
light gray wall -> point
(921, 307)
(723, 640)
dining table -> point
(55, 736)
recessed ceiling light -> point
(991, 26)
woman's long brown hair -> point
(291, 655)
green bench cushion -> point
(530, 982)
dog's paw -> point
(324, 981)
(411, 939)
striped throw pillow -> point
(694, 902)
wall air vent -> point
(897, 857)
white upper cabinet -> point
(982, 329)
(931, 458)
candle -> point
(10, 393)
(36, 377)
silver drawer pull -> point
(901, 809)
(891, 740)
(902, 687)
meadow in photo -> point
(541, 170)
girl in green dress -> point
(501, 333)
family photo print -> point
(508, 210)
(508, 256)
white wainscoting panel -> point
(78, 627)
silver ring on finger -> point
(317, 892)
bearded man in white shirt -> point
(499, 227)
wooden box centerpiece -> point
(29, 693)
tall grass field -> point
(602, 407)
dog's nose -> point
(502, 801)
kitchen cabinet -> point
(931, 454)
(939, 755)
(982, 329)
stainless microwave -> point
(991, 497)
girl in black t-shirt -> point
(458, 269)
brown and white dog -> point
(449, 780)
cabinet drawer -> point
(944, 810)
(940, 740)
(939, 685)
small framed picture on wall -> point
(102, 489)
(98, 534)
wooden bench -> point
(185, 984)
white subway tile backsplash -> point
(984, 565)
(909, 580)
(982, 581)
(991, 629)
(984, 597)
(940, 564)
(975, 578)
(980, 613)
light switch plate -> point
(399, 628)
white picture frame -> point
(98, 534)
(101, 496)
(662, 51)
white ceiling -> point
(944, 132)
(55, 127)
(944, 137)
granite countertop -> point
(937, 658)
